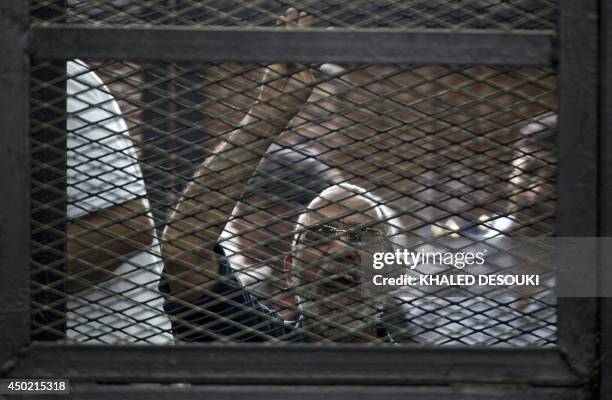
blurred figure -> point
(207, 302)
(283, 185)
(113, 256)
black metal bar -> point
(48, 202)
(268, 45)
(48, 192)
(156, 392)
(14, 170)
(605, 92)
(298, 364)
(577, 206)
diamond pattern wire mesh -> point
(413, 14)
(448, 151)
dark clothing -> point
(227, 311)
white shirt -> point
(103, 171)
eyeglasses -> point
(360, 235)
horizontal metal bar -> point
(304, 46)
(248, 392)
(297, 364)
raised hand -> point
(285, 87)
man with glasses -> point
(331, 240)
(284, 183)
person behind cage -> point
(113, 257)
(205, 300)
(284, 183)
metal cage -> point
(548, 56)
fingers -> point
(290, 18)
(304, 20)
(288, 77)
(293, 18)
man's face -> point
(327, 268)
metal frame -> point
(569, 371)
(578, 185)
(300, 364)
(268, 45)
(340, 392)
(48, 202)
(14, 202)
(605, 153)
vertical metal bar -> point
(14, 169)
(48, 201)
(605, 311)
(578, 210)
(48, 192)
